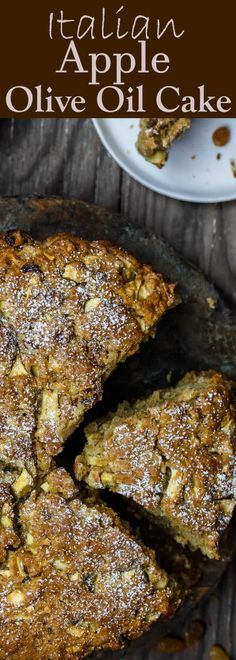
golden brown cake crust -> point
(174, 454)
(70, 312)
(78, 582)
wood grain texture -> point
(65, 157)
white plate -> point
(192, 172)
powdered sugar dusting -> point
(173, 453)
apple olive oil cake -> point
(173, 453)
(156, 137)
(70, 312)
(72, 577)
(78, 582)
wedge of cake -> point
(70, 312)
(79, 582)
(174, 454)
(156, 137)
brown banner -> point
(117, 58)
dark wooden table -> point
(65, 157)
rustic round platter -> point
(200, 333)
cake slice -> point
(79, 582)
(70, 312)
(156, 137)
(173, 453)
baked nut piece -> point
(174, 454)
(79, 582)
(156, 137)
(70, 312)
